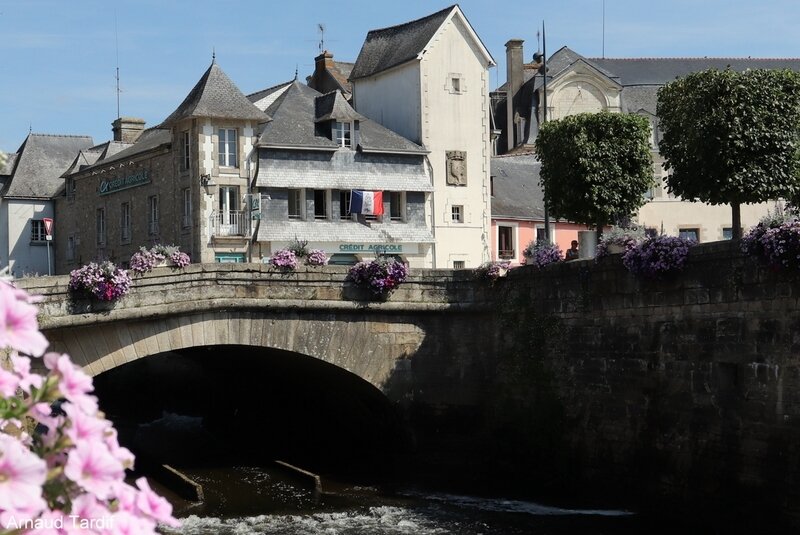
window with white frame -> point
(690, 234)
(457, 213)
(341, 134)
(100, 226)
(186, 213)
(459, 264)
(152, 215)
(185, 156)
(125, 222)
(505, 242)
(296, 202)
(37, 230)
(228, 147)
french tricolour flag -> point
(366, 202)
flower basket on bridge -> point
(103, 282)
(158, 256)
(380, 276)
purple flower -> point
(284, 259)
(541, 254)
(656, 257)
(316, 257)
(105, 281)
(380, 276)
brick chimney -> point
(127, 129)
(514, 81)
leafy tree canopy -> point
(731, 137)
(596, 167)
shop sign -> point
(371, 247)
(130, 181)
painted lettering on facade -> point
(372, 247)
(131, 181)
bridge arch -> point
(376, 349)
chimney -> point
(127, 129)
(514, 82)
(322, 63)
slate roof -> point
(216, 96)
(343, 169)
(515, 183)
(91, 156)
(41, 160)
(393, 46)
(8, 167)
(341, 73)
(640, 97)
(263, 99)
(345, 231)
(659, 71)
(333, 105)
(295, 116)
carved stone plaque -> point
(456, 167)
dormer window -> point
(341, 134)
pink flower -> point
(22, 365)
(88, 512)
(83, 427)
(8, 383)
(93, 467)
(22, 475)
(18, 326)
(74, 384)
(154, 505)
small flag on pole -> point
(366, 202)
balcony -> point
(505, 254)
(230, 223)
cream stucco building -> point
(576, 84)
(428, 81)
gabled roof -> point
(41, 160)
(91, 156)
(297, 112)
(215, 96)
(333, 105)
(393, 46)
(515, 184)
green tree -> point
(596, 167)
(731, 137)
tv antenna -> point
(116, 46)
(321, 29)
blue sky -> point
(59, 56)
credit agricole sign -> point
(125, 182)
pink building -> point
(518, 209)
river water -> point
(247, 500)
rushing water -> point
(245, 501)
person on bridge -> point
(572, 252)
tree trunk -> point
(736, 221)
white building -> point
(428, 80)
(30, 179)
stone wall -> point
(686, 389)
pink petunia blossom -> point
(89, 516)
(83, 427)
(74, 384)
(154, 505)
(126, 523)
(19, 329)
(8, 383)
(93, 467)
(22, 366)
(22, 475)
(120, 453)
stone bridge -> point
(434, 319)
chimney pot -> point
(127, 129)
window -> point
(505, 242)
(125, 223)
(152, 213)
(456, 85)
(459, 264)
(185, 151)
(187, 208)
(296, 202)
(71, 188)
(341, 133)
(227, 147)
(491, 186)
(339, 259)
(37, 230)
(690, 234)
(397, 205)
(457, 213)
(100, 227)
(70, 248)
(320, 204)
(344, 204)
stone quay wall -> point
(685, 389)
